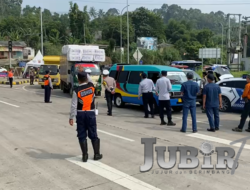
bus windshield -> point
(52, 68)
(177, 77)
(95, 70)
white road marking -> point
(196, 121)
(112, 174)
(41, 93)
(117, 136)
(9, 104)
(218, 140)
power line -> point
(196, 4)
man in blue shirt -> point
(189, 91)
(211, 102)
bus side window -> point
(154, 76)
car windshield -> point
(95, 70)
(177, 77)
(52, 68)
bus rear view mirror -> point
(69, 72)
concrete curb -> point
(18, 83)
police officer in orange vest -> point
(10, 76)
(83, 107)
(47, 87)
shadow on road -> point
(43, 155)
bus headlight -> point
(55, 80)
(40, 80)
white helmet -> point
(88, 71)
(105, 72)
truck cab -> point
(52, 64)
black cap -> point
(82, 75)
(47, 72)
(204, 72)
(210, 77)
(144, 75)
(164, 73)
(210, 72)
(190, 75)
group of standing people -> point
(211, 95)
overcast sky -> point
(227, 6)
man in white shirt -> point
(146, 89)
(163, 86)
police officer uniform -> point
(88, 71)
(83, 107)
(110, 85)
(47, 87)
(146, 88)
(10, 76)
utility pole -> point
(245, 36)
(228, 41)
(127, 33)
(84, 34)
(41, 30)
(233, 50)
(222, 40)
(121, 30)
(239, 53)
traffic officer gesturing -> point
(47, 87)
(163, 86)
(10, 76)
(146, 89)
(110, 85)
(246, 111)
(88, 71)
(189, 92)
(83, 107)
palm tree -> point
(56, 39)
(101, 13)
(72, 40)
(92, 12)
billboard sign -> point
(149, 43)
(208, 53)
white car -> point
(231, 91)
(2, 70)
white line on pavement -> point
(218, 140)
(115, 135)
(196, 121)
(9, 104)
(112, 174)
(124, 138)
(41, 93)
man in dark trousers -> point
(83, 108)
(189, 91)
(163, 86)
(47, 87)
(110, 86)
(10, 76)
(212, 100)
(146, 89)
(32, 75)
(246, 111)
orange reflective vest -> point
(10, 74)
(46, 80)
(85, 96)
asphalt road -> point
(40, 151)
